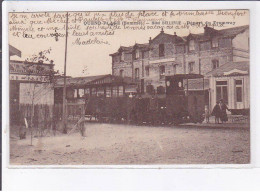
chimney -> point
(162, 31)
(208, 31)
(150, 40)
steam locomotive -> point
(176, 106)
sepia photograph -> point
(166, 87)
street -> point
(112, 144)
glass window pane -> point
(108, 91)
(75, 93)
(121, 92)
(238, 82)
(225, 94)
(94, 91)
(239, 94)
(218, 93)
(100, 92)
(161, 50)
(221, 83)
(114, 91)
(81, 92)
(87, 91)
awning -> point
(14, 51)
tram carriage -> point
(178, 105)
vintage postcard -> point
(129, 87)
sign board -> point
(23, 68)
(31, 78)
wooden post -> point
(64, 115)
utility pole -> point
(64, 101)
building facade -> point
(31, 81)
(231, 82)
(168, 54)
(30, 85)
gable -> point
(162, 38)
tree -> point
(38, 88)
(85, 70)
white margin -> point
(20, 176)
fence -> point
(45, 116)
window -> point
(145, 54)
(222, 91)
(204, 46)
(81, 93)
(162, 71)
(114, 91)
(100, 91)
(75, 93)
(147, 71)
(137, 54)
(87, 92)
(108, 92)
(191, 67)
(93, 91)
(120, 91)
(136, 73)
(214, 43)
(174, 68)
(161, 50)
(215, 64)
(191, 45)
(239, 90)
(121, 73)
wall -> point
(231, 91)
(241, 46)
(226, 51)
(241, 41)
(44, 93)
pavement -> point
(230, 124)
(114, 144)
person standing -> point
(223, 114)
(216, 112)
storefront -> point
(29, 84)
(231, 83)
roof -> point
(230, 68)
(72, 81)
(93, 80)
(224, 32)
(233, 31)
(14, 51)
(164, 37)
(208, 32)
(31, 63)
(130, 49)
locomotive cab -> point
(183, 104)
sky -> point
(96, 57)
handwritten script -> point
(88, 28)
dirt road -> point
(121, 144)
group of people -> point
(219, 111)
